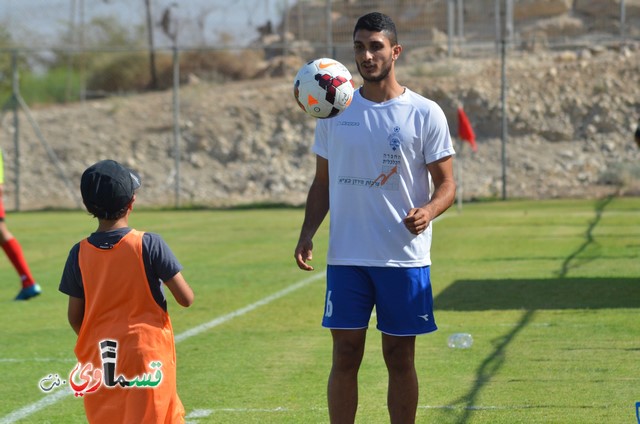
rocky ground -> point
(571, 116)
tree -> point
(152, 53)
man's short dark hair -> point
(377, 22)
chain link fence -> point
(115, 48)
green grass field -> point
(549, 290)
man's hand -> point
(304, 253)
(417, 220)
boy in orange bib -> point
(114, 280)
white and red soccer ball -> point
(323, 88)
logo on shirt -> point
(85, 379)
(383, 178)
(394, 138)
(388, 177)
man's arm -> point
(418, 219)
(316, 210)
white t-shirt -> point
(377, 155)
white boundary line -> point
(32, 408)
(221, 320)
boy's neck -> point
(110, 225)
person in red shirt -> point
(13, 250)
(114, 280)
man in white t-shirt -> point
(375, 165)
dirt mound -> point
(571, 117)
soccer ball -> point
(323, 88)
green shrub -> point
(56, 86)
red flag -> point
(465, 132)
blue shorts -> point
(402, 298)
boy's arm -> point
(75, 313)
(180, 289)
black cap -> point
(108, 187)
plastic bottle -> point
(460, 341)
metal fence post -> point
(450, 26)
(623, 18)
(503, 96)
(460, 6)
(329, 30)
(176, 120)
(285, 27)
(15, 88)
(508, 25)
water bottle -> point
(460, 341)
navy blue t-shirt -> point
(160, 264)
